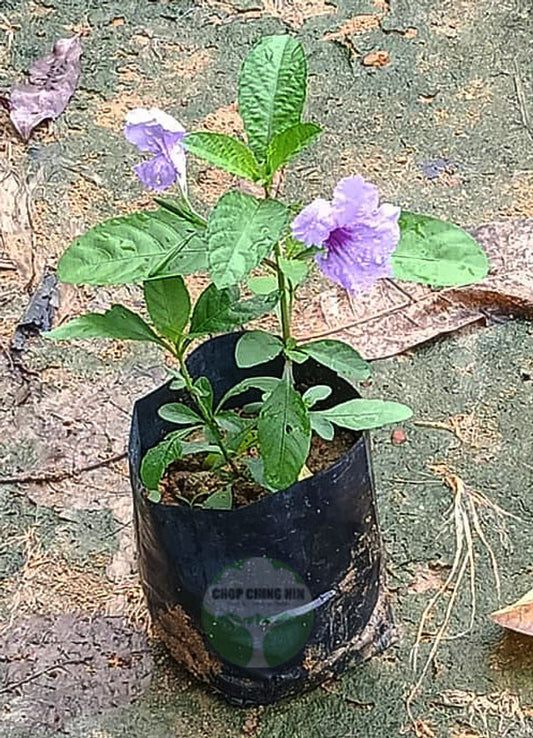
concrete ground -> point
(444, 128)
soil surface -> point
(188, 480)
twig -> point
(15, 685)
(44, 477)
(522, 104)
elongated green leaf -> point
(321, 426)
(128, 250)
(315, 394)
(272, 90)
(284, 434)
(117, 322)
(176, 412)
(219, 500)
(169, 305)
(285, 145)
(256, 347)
(224, 152)
(241, 232)
(432, 251)
(221, 310)
(340, 357)
(265, 384)
(157, 459)
(364, 414)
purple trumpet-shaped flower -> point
(358, 235)
(157, 132)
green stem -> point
(207, 414)
(285, 311)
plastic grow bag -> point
(270, 599)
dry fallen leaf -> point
(518, 616)
(394, 316)
(52, 81)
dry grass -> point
(503, 707)
(47, 584)
(468, 523)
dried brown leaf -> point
(518, 616)
(394, 316)
(52, 81)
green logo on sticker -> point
(257, 613)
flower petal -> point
(314, 223)
(154, 131)
(354, 200)
(357, 258)
(157, 173)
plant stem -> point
(207, 414)
(285, 312)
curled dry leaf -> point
(518, 616)
(52, 81)
(394, 316)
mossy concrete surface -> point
(443, 127)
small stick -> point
(61, 475)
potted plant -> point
(259, 548)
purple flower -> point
(158, 133)
(358, 235)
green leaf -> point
(284, 434)
(257, 472)
(295, 271)
(169, 305)
(219, 500)
(262, 285)
(178, 383)
(203, 390)
(256, 347)
(157, 459)
(117, 322)
(265, 384)
(198, 447)
(285, 145)
(321, 426)
(224, 152)
(176, 412)
(189, 256)
(272, 90)
(432, 251)
(221, 310)
(340, 357)
(181, 209)
(315, 394)
(127, 250)
(241, 233)
(295, 355)
(364, 414)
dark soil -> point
(187, 478)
